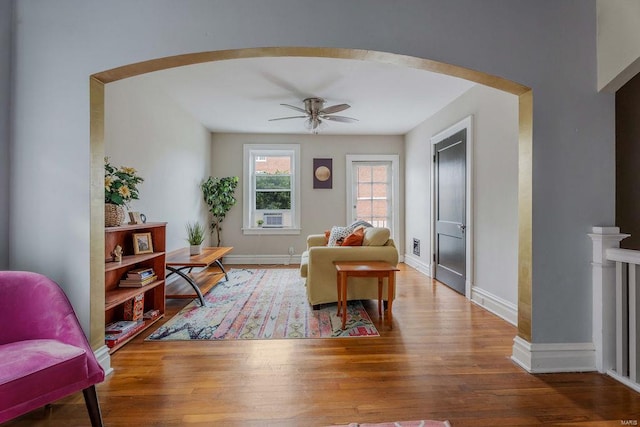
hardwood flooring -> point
(445, 358)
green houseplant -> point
(218, 194)
(195, 237)
(120, 187)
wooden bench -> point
(180, 259)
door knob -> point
(462, 227)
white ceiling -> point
(241, 95)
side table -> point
(379, 269)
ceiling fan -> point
(315, 113)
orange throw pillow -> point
(355, 238)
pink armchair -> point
(44, 354)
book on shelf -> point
(134, 308)
(120, 326)
(140, 273)
(137, 283)
(112, 340)
(151, 314)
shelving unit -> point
(154, 292)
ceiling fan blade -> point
(287, 118)
(342, 119)
(293, 107)
(334, 108)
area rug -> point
(421, 423)
(262, 304)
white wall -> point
(618, 42)
(6, 11)
(321, 208)
(60, 44)
(170, 149)
(494, 187)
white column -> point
(604, 297)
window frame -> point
(250, 152)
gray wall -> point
(320, 209)
(6, 11)
(549, 46)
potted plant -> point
(260, 222)
(120, 187)
(218, 194)
(195, 237)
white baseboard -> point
(548, 358)
(498, 306)
(104, 359)
(624, 380)
(418, 264)
(262, 259)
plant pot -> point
(195, 249)
(113, 215)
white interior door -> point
(372, 189)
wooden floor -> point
(445, 358)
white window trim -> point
(395, 186)
(270, 149)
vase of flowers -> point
(120, 187)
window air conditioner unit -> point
(273, 220)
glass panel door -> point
(372, 193)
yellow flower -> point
(128, 170)
(107, 182)
(124, 192)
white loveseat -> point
(317, 266)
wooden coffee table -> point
(379, 269)
(180, 259)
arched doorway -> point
(97, 99)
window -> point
(271, 189)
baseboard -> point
(104, 359)
(624, 380)
(418, 264)
(498, 306)
(262, 259)
(548, 358)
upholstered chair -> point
(44, 354)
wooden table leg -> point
(339, 290)
(344, 299)
(391, 284)
(380, 278)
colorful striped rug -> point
(262, 304)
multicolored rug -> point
(262, 304)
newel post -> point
(604, 295)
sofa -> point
(316, 265)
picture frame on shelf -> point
(135, 218)
(142, 243)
